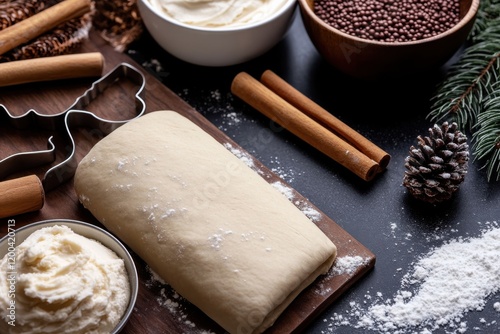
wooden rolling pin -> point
(21, 195)
(51, 68)
(26, 194)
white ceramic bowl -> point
(92, 232)
(216, 46)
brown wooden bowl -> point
(369, 59)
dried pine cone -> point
(118, 22)
(436, 168)
(63, 39)
(14, 11)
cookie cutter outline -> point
(74, 116)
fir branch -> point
(487, 137)
(470, 93)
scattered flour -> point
(155, 65)
(347, 264)
(232, 118)
(177, 305)
(442, 287)
(243, 156)
(219, 105)
(287, 174)
(287, 191)
(304, 206)
(217, 238)
(344, 265)
(497, 306)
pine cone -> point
(435, 170)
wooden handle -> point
(320, 115)
(277, 109)
(21, 195)
(51, 68)
(41, 22)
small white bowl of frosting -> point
(65, 276)
(219, 32)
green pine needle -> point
(470, 93)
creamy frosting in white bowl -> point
(64, 276)
(217, 33)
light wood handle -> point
(41, 22)
(277, 109)
(21, 195)
(78, 65)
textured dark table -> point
(380, 214)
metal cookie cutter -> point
(27, 194)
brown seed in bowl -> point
(389, 21)
(371, 59)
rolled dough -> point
(209, 225)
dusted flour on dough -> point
(218, 13)
(64, 283)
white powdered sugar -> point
(441, 288)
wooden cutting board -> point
(158, 308)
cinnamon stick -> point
(322, 116)
(277, 109)
(34, 26)
(80, 65)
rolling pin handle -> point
(21, 195)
